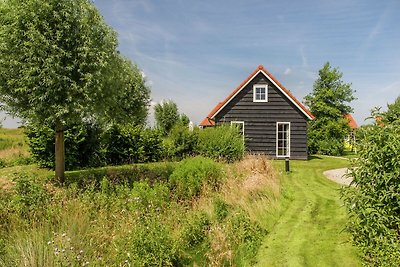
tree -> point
(56, 62)
(166, 115)
(393, 112)
(329, 102)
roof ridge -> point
(208, 121)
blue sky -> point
(197, 52)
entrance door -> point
(283, 139)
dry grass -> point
(220, 248)
(252, 185)
(14, 152)
(251, 181)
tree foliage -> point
(329, 102)
(374, 201)
(166, 115)
(59, 66)
(53, 57)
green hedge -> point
(126, 174)
(221, 143)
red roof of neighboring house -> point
(352, 121)
(208, 121)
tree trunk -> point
(60, 153)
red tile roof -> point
(208, 121)
(352, 121)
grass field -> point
(13, 147)
(310, 229)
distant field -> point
(13, 145)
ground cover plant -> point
(109, 221)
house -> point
(350, 140)
(273, 121)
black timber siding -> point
(260, 119)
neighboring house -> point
(350, 140)
(273, 121)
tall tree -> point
(56, 57)
(329, 102)
(166, 115)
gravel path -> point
(339, 176)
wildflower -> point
(63, 235)
(81, 251)
(49, 242)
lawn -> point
(310, 229)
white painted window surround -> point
(282, 139)
(260, 93)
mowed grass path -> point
(310, 229)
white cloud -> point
(287, 71)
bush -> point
(192, 174)
(326, 136)
(195, 231)
(132, 144)
(221, 143)
(82, 145)
(30, 195)
(374, 201)
(181, 143)
(151, 172)
(150, 244)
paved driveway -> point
(339, 176)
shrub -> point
(82, 145)
(150, 244)
(222, 142)
(374, 201)
(146, 197)
(191, 174)
(181, 142)
(151, 172)
(132, 144)
(30, 195)
(195, 231)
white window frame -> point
(265, 86)
(239, 122)
(288, 141)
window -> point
(239, 125)
(260, 93)
(283, 139)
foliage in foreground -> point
(374, 201)
(329, 103)
(110, 223)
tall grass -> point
(139, 223)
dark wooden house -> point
(273, 121)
